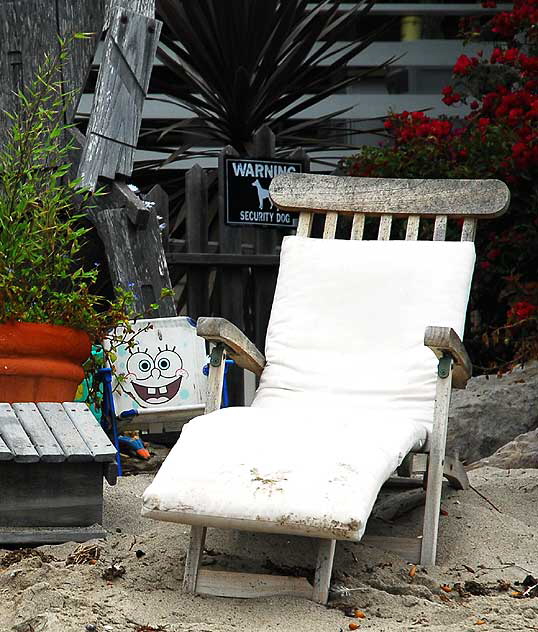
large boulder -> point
(520, 453)
(491, 412)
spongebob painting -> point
(164, 367)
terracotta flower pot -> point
(40, 362)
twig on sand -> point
(486, 499)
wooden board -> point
(249, 585)
(25, 536)
(122, 85)
(43, 440)
(51, 494)
(91, 432)
(376, 196)
(407, 548)
(15, 437)
(140, 264)
(65, 433)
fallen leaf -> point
(446, 588)
(480, 622)
(413, 570)
(354, 626)
(359, 614)
(468, 568)
(444, 512)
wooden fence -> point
(223, 270)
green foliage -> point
(43, 277)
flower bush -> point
(498, 138)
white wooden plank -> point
(250, 585)
(39, 433)
(329, 229)
(304, 227)
(324, 569)
(435, 470)
(468, 231)
(385, 224)
(15, 437)
(357, 227)
(439, 229)
(65, 432)
(413, 224)
(194, 555)
(91, 432)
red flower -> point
(463, 65)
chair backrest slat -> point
(413, 224)
(329, 230)
(385, 224)
(304, 227)
(386, 198)
(357, 227)
(439, 229)
(468, 230)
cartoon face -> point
(154, 378)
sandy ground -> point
(476, 543)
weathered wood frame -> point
(333, 196)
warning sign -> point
(247, 201)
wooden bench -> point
(52, 461)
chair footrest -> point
(250, 585)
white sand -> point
(50, 597)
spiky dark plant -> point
(240, 64)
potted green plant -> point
(50, 313)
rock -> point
(489, 413)
(522, 452)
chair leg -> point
(435, 470)
(324, 569)
(194, 555)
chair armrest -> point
(443, 340)
(238, 346)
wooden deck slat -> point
(15, 437)
(65, 432)
(39, 433)
(90, 430)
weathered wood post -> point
(196, 233)
(130, 227)
(230, 279)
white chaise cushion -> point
(347, 392)
(348, 321)
(311, 472)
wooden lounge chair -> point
(349, 385)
